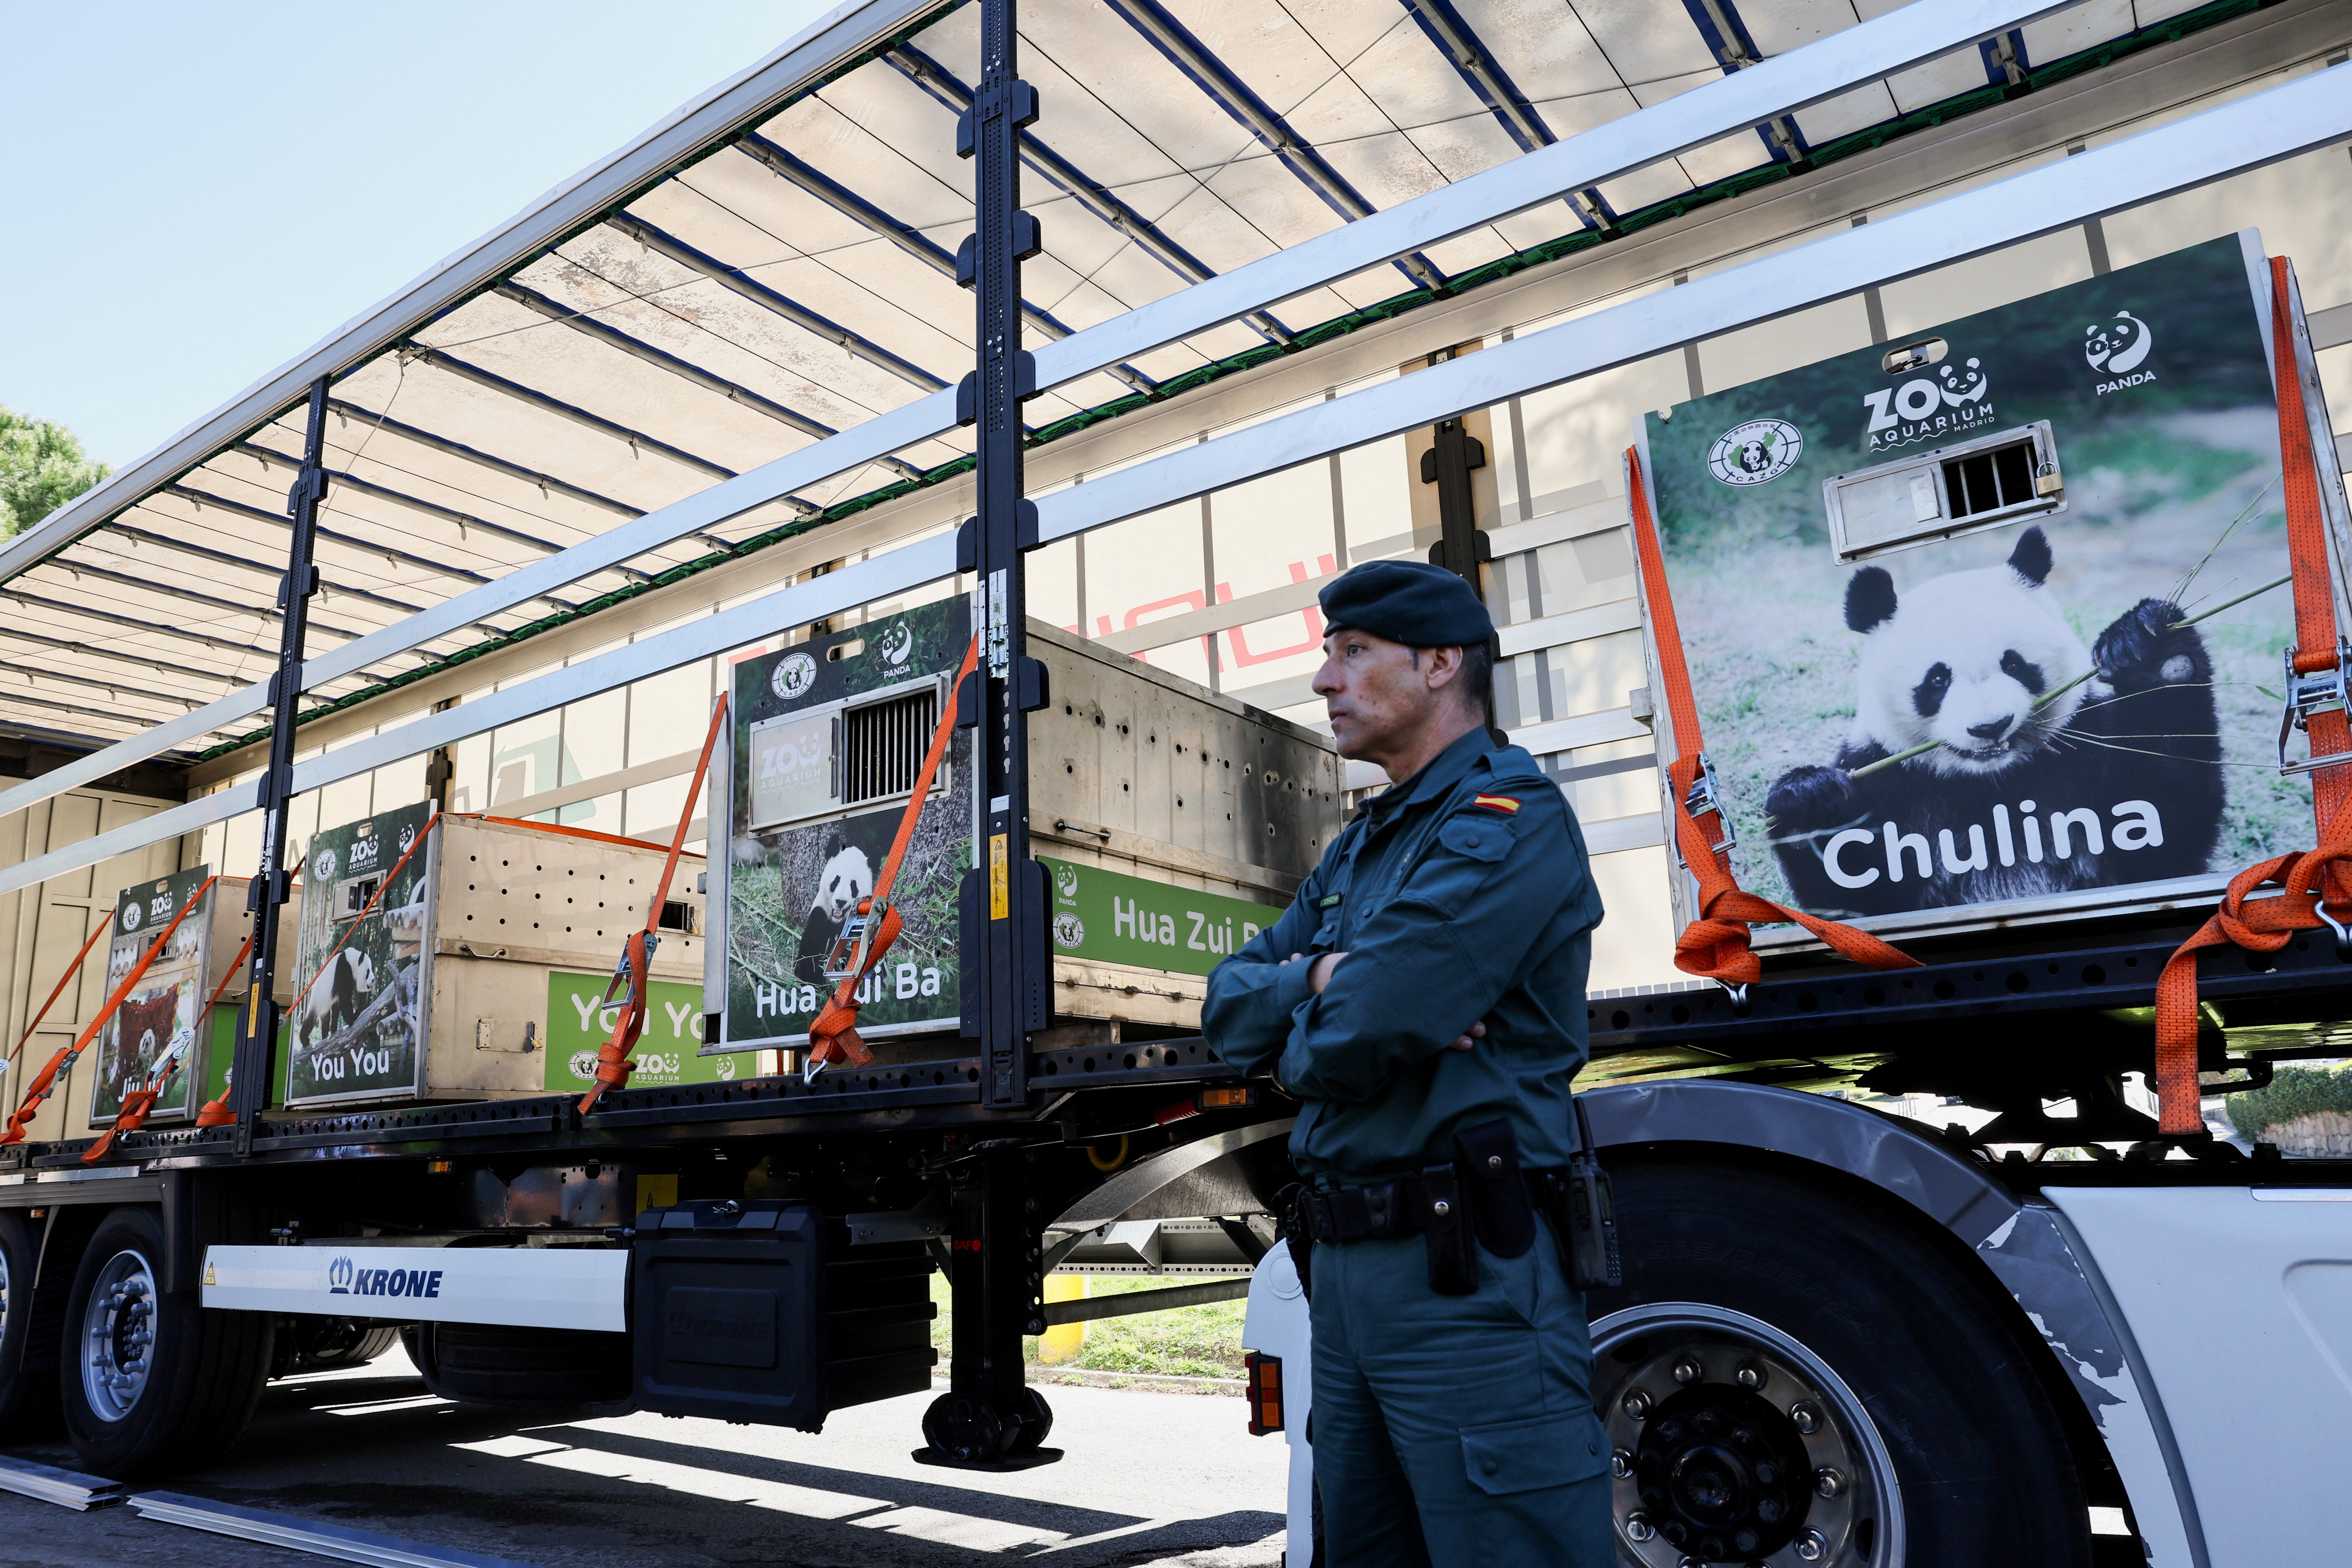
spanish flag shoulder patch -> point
(1506, 805)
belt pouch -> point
(1591, 1238)
(1298, 1234)
(1453, 1245)
(1488, 1157)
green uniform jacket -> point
(1450, 910)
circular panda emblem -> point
(897, 644)
(1759, 451)
(584, 1065)
(131, 916)
(793, 676)
(723, 1067)
(324, 866)
(1069, 930)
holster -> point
(1586, 1216)
(1297, 1234)
(1449, 1231)
(1487, 1155)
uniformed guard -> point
(1423, 997)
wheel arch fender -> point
(2023, 1247)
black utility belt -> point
(1482, 1198)
(1410, 1205)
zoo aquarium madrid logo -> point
(1759, 451)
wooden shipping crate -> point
(1170, 823)
(443, 991)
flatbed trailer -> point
(1857, 1339)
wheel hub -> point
(119, 1336)
(1733, 1443)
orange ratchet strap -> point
(39, 1089)
(2309, 880)
(63, 980)
(612, 1063)
(140, 1100)
(1715, 945)
(832, 1037)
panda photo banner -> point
(168, 1003)
(358, 1032)
(1957, 605)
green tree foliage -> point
(41, 469)
(2292, 1092)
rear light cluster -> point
(1264, 1374)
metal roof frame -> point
(2245, 134)
(1817, 72)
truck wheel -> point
(489, 1364)
(150, 1379)
(28, 1382)
(1789, 1372)
(307, 1344)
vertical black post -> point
(989, 1417)
(257, 1034)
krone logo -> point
(1759, 451)
(897, 644)
(1069, 930)
(794, 675)
(338, 1277)
(2117, 347)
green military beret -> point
(1410, 602)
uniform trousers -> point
(1455, 1431)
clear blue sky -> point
(197, 191)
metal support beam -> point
(1230, 93)
(636, 440)
(548, 484)
(18, 632)
(759, 293)
(1728, 40)
(1091, 194)
(222, 558)
(988, 1415)
(200, 499)
(1451, 32)
(223, 607)
(867, 215)
(212, 642)
(257, 1019)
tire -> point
(1879, 1384)
(309, 1345)
(147, 1379)
(28, 1371)
(489, 1364)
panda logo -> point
(897, 644)
(1959, 389)
(723, 1068)
(2119, 347)
(1066, 881)
(2049, 767)
(1759, 451)
(407, 838)
(795, 673)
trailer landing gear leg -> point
(990, 1419)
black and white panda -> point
(2117, 780)
(847, 877)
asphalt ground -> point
(1148, 1478)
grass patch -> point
(2291, 1093)
(1187, 1342)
